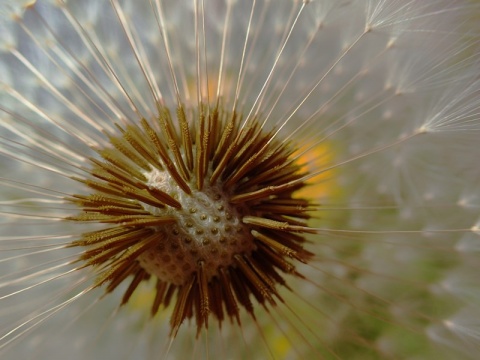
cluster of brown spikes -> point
(257, 175)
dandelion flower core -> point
(215, 220)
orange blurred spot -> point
(210, 88)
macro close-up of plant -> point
(239, 179)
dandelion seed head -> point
(338, 220)
(213, 219)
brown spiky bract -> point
(255, 228)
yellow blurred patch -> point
(322, 185)
(281, 346)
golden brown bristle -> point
(204, 205)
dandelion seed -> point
(231, 179)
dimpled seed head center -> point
(207, 229)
